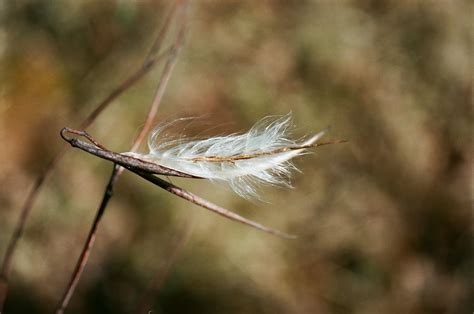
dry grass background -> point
(384, 222)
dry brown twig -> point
(139, 167)
(117, 170)
(147, 171)
(120, 159)
(152, 60)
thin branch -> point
(48, 170)
(208, 205)
(146, 170)
(19, 228)
(120, 159)
(129, 82)
(160, 38)
(83, 258)
(168, 69)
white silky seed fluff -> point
(217, 158)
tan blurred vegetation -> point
(384, 222)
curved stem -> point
(84, 257)
(43, 177)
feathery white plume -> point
(260, 156)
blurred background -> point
(384, 221)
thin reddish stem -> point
(176, 190)
(48, 170)
(84, 257)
